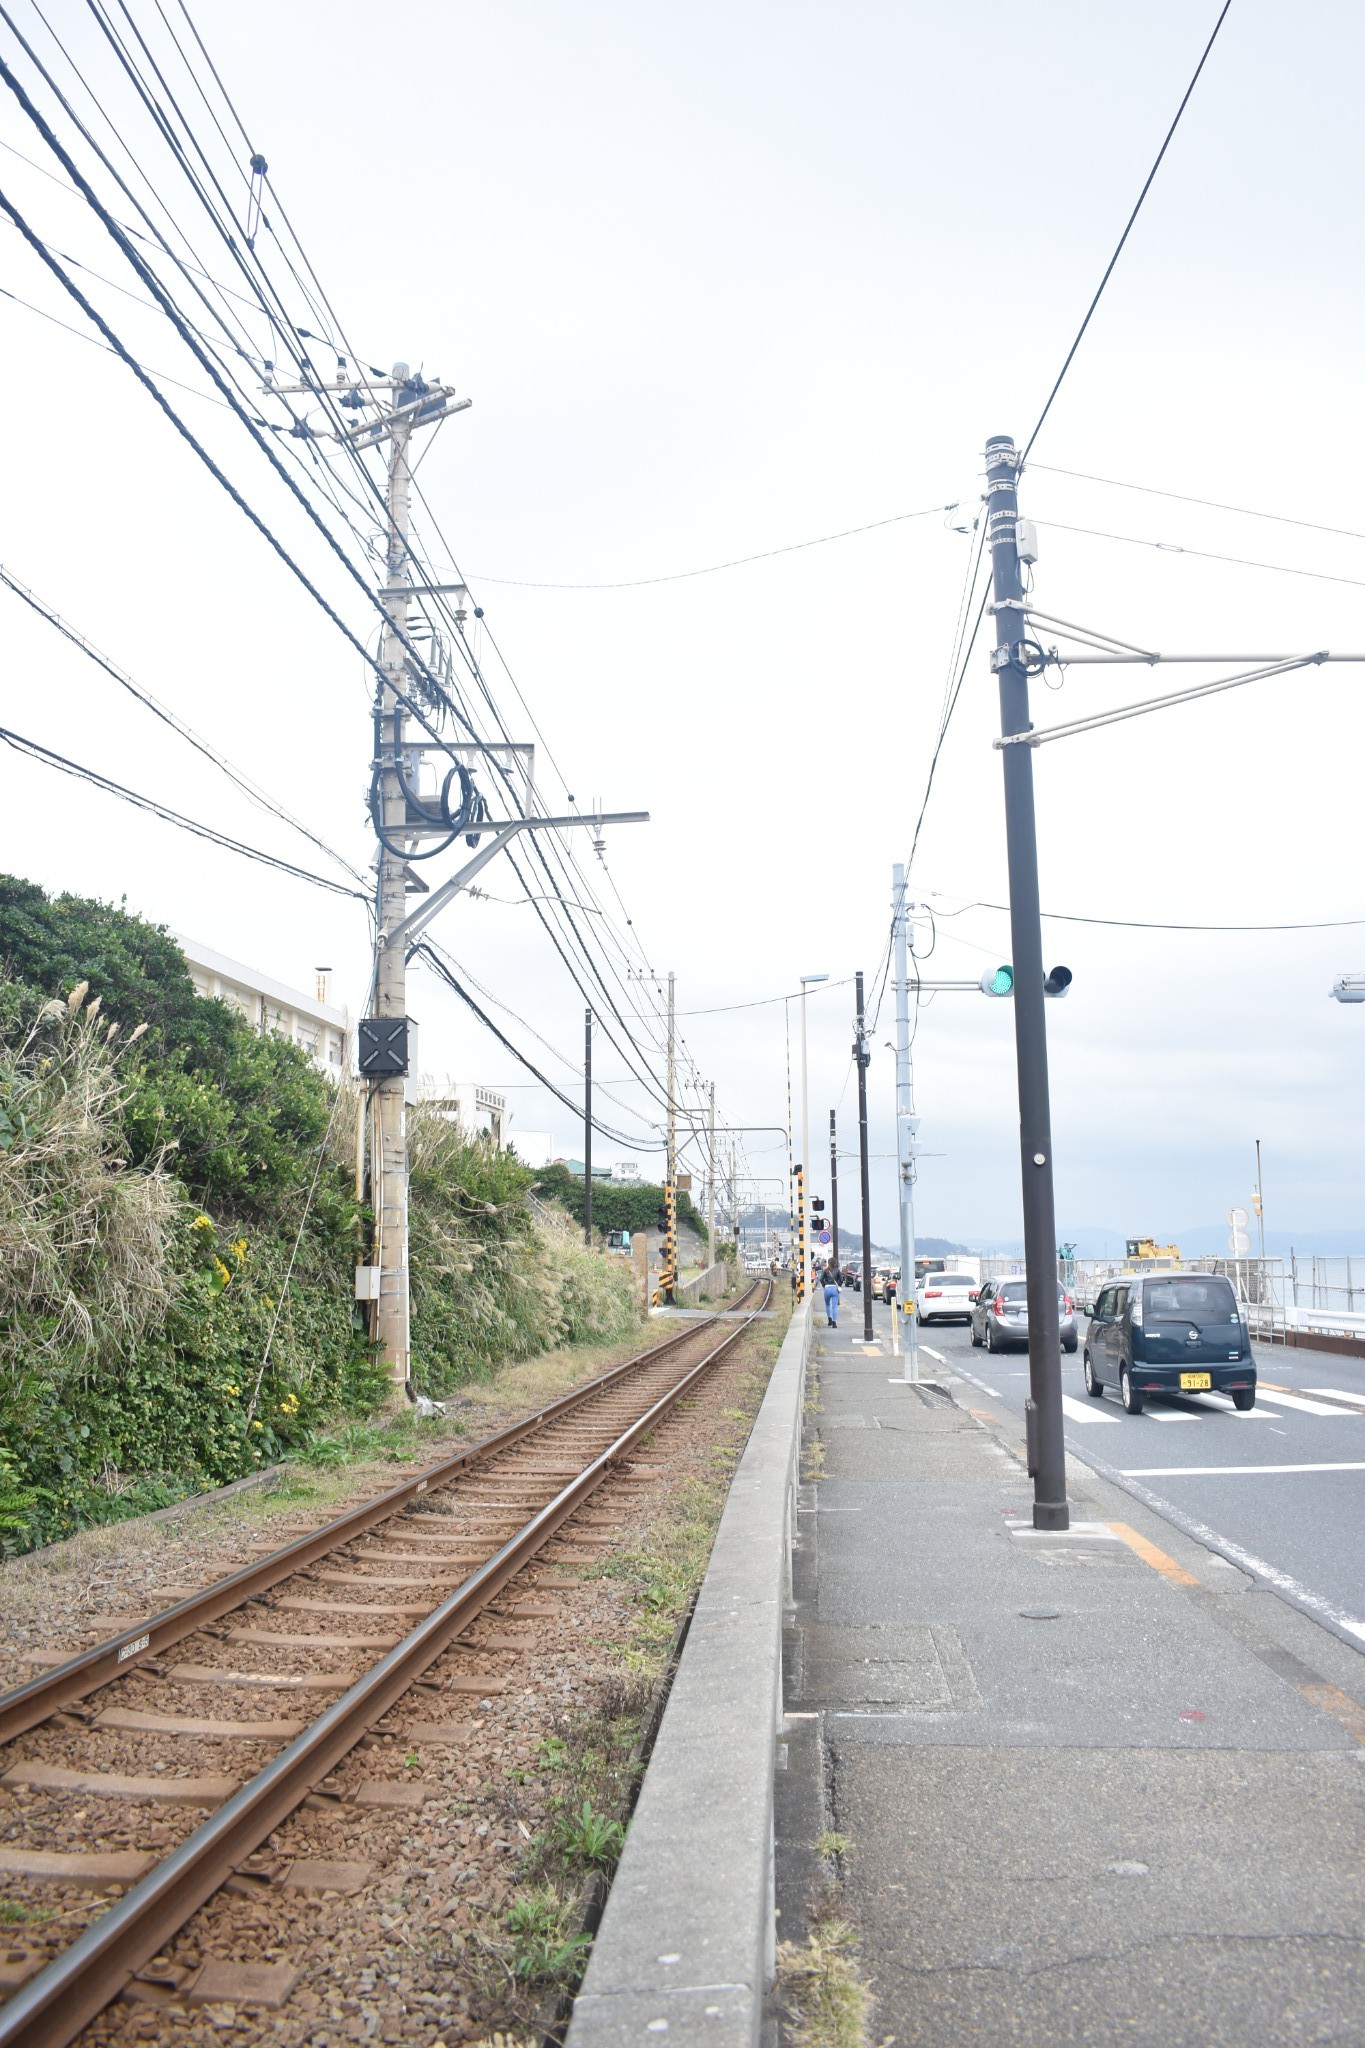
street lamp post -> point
(806, 979)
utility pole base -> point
(1051, 1514)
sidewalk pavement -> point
(1095, 1788)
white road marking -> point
(1222, 1471)
(1285, 1583)
(1085, 1411)
(1221, 1404)
(937, 1356)
(1305, 1407)
(1169, 1414)
(1337, 1394)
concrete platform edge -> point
(687, 1938)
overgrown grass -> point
(822, 1988)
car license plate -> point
(1189, 1381)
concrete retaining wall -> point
(714, 1281)
(687, 1940)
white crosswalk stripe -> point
(1337, 1394)
(1087, 1410)
(1278, 1400)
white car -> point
(945, 1298)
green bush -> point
(176, 1261)
(616, 1205)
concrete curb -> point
(687, 1940)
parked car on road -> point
(945, 1298)
(1000, 1316)
(1169, 1333)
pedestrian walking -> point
(831, 1286)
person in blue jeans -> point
(830, 1280)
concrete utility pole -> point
(906, 1123)
(587, 1127)
(711, 1182)
(798, 1277)
(392, 1312)
(862, 1059)
(392, 409)
(1014, 658)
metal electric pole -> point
(1014, 658)
(834, 1189)
(587, 1127)
(862, 1059)
(905, 1120)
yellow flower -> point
(230, 1389)
(238, 1249)
(221, 1270)
(202, 1223)
(270, 1301)
(258, 1425)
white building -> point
(309, 1021)
(472, 1106)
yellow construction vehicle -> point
(1145, 1251)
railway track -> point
(358, 1612)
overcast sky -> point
(719, 280)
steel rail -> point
(28, 1705)
(51, 2009)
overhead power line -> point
(1210, 504)
(433, 959)
(737, 562)
(185, 732)
(1138, 924)
(1128, 229)
(170, 817)
(1170, 547)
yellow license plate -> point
(1189, 1381)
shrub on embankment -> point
(616, 1205)
(179, 1228)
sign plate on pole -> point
(1239, 1244)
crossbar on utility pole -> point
(861, 1059)
(1010, 660)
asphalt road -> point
(1281, 1489)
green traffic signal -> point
(999, 981)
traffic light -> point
(817, 1204)
(661, 1221)
(999, 981)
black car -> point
(1169, 1333)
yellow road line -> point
(1331, 1700)
(1149, 1554)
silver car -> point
(1000, 1316)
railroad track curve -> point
(425, 1559)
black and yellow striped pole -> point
(800, 1234)
(668, 1275)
